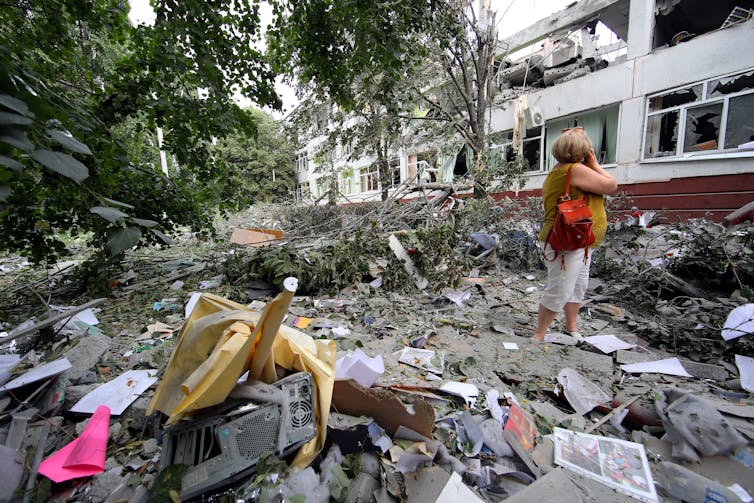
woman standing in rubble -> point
(567, 280)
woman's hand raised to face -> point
(590, 177)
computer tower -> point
(224, 446)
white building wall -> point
(628, 83)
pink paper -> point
(84, 456)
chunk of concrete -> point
(86, 354)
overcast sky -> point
(512, 16)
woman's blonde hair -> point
(571, 146)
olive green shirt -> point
(554, 187)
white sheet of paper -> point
(192, 303)
(467, 391)
(39, 373)
(745, 366)
(358, 366)
(510, 345)
(455, 490)
(608, 343)
(117, 394)
(87, 316)
(669, 366)
(740, 322)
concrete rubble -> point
(480, 419)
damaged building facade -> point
(669, 106)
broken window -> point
(323, 185)
(702, 127)
(502, 151)
(709, 116)
(421, 167)
(662, 135)
(740, 125)
(302, 162)
(676, 98)
(678, 21)
(532, 148)
(601, 126)
(347, 181)
(461, 166)
(395, 172)
(302, 192)
(369, 178)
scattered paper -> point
(581, 393)
(379, 438)
(616, 463)
(39, 373)
(7, 363)
(86, 316)
(740, 491)
(745, 366)
(510, 345)
(425, 359)
(740, 322)
(341, 331)
(455, 490)
(608, 343)
(496, 411)
(192, 303)
(358, 366)
(669, 366)
(117, 394)
(84, 456)
(302, 322)
(465, 390)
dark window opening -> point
(461, 166)
(677, 22)
(676, 98)
(702, 127)
(730, 85)
(662, 135)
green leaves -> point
(15, 104)
(69, 142)
(123, 240)
(109, 214)
(62, 163)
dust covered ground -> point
(664, 291)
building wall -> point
(627, 83)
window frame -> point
(372, 174)
(680, 142)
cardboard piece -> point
(521, 434)
(255, 237)
(84, 456)
(387, 410)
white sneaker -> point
(576, 335)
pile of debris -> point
(429, 392)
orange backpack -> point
(572, 229)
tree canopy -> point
(82, 94)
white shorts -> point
(565, 284)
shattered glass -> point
(703, 127)
(662, 135)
